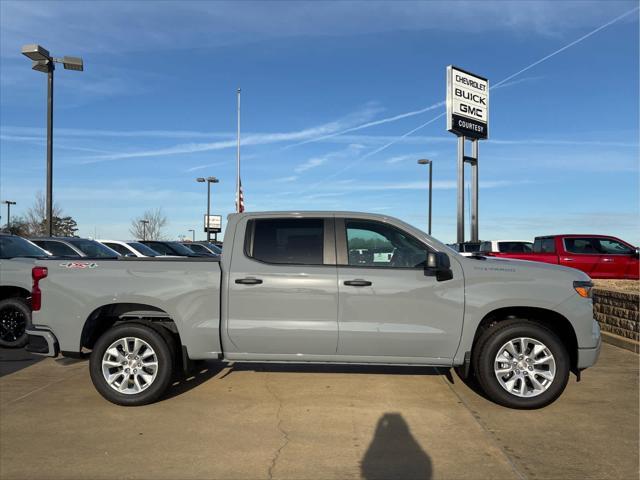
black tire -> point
(15, 316)
(486, 349)
(164, 358)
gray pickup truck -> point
(321, 287)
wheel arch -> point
(552, 320)
(12, 291)
(104, 317)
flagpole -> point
(238, 158)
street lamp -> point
(424, 161)
(43, 62)
(209, 181)
(193, 234)
(144, 229)
(9, 203)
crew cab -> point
(599, 256)
(300, 287)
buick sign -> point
(467, 103)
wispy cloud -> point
(202, 167)
(247, 140)
(291, 178)
(351, 151)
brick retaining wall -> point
(619, 314)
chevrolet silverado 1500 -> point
(599, 256)
(326, 287)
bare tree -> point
(152, 230)
(37, 215)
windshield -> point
(143, 249)
(92, 248)
(214, 248)
(11, 247)
(180, 249)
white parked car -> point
(506, 246)
(130, 248)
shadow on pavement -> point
(201, 372)
(15, 359)
(394, 453)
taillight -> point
(37, 273)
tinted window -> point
(161, 248)
(118, 248)
(610, 246)
(485, 247)
(581, 245)
(11, 247)
(470, 247)
(143, 249)
(544, 245)
(92, 249)
(374, 244)
(197, 248)
(57, 248)
(288, 241)
(515, 247)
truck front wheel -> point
(131, 364)
(521, 364)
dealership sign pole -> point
(468, 118)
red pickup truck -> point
(599, 256)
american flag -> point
(240, 205)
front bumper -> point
(587, 357)
(42, 342)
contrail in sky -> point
(501, 82)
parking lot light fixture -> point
(45, 63)
(144, 229)
(9, 203)
(424, 161)
(209, 181)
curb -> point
(621, 342)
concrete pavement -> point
(277, 421)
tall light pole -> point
(9, 203)
(209, 181)
(424, 161)
(43, 62)
(193, 234)
(144, 229)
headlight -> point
(583, 288)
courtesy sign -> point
(467, 103)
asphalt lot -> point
(274, 421)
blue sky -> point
(329, 91)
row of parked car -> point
(600, 256)
(72, 247)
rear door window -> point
(294, 241)
(58, 249)
(514, 247)
(544, 245)
(583, 246)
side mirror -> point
(438, 265)
(637, 253)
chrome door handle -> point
(607, 259)
(248, 281)
(567, 259)
(358, 283)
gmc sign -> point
(467, 103)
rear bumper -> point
(587, 357)
(42, 342)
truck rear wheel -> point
(15, 314)
(131, 364)
(521, 364)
